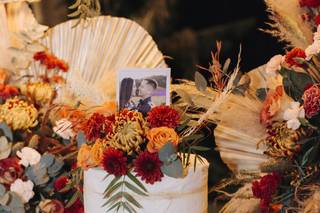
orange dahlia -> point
(163, 116)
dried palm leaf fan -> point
(288, 24)
(95, 52)
(238, 130)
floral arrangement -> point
(134, 148)
(45, 146)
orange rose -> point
(160, 136)
(96, 153)
(84, 158)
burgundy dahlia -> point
(163, 116)
(148, 166)
(98, 126)
(311, 101)
(265, 188)
(309, 3)
(294, 53)
(114, 162)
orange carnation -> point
(84, 157)
(160, 136)
(96, 153)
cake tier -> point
(187, 195)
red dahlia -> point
(311, 101)
(309, 3)
(114, 162)
(60, 183)
(294, 53)
(163, 116)
(98, 126)
(265, 188)
(148, 166)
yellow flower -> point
(18, 114)
(128, 131)
(41, 92)
(96, 153)
(160, 136)
(84, 157)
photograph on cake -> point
(142, 89)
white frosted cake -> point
(186, 195)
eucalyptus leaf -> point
(4, 199)
(166, 151)
(81, 139)
(37, 174)
(6, 131)
(5, 209)
(55, 169)
(47, 160)
(16, 205)
(5, 148)
(174, 169)
(242, 86)
(201, 82)
(2, 190)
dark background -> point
(187, 30)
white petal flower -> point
(292, 114)
(23, 189)
(312, 49)
(316, 35)
(64, 129)
(274, 65)
(28, 156)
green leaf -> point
(81, 139)
(174, 169)
(166, 151)
(295, 83)
(6, 131)
(201, 82)
(2, 190)
(242, 86)
(131, 199)
(183, 125)
(112, 189)
(114, 206)
(113, 199)
(193, 137)
(66, 188)
(5, 148)
(134, 189)
(200, 148)
(136, 181)
(114, 181)
(128, 207)
(306, 156)
(75, 5)
(73, 199)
